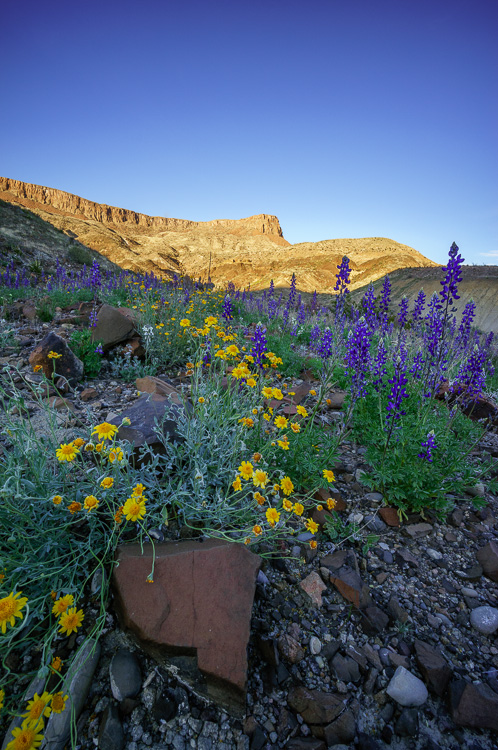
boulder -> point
(113, 326)
(198, 606)
(67, 365)
(143, 414)
(151, 384)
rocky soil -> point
(380, 641)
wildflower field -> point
(257, 442)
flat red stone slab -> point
(201, 600)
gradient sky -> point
(345, 119)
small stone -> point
(345, 668)
(313, 587)
(315, 645)
(290, 649)
(477, 490)
(374, 497)
(406, 689)
(125, 675)
(389, 516)
(315, 706)
(417, 530)
(88, 393)
(484, 619)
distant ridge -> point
(246, 252)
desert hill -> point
(479, 283)
(249, 251)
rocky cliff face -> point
(249, 251)
(72, 205)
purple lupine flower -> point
(418, 363)
(368, 304)
(227, 309)
(434, 326)
(285, 316)
(449, 292)
(403, 312)
(259, 345)
(379, 365)
(271, 289)
(418, 307)
(325, 346)
(206, 358)
(292, 291)
(471, 375)
(314, 303)
(357, 357)
(93, 319)
(272, 308)
(314, 335)
(384, 300)
(301, 315)
(465, 327)
(428, 445)
(96, 275)
(342, 277)
(398, 392)
(99, 349)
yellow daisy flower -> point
(105, 431)
(10, 608)
(272, 516)
(246, 469)
(134, 508)
(71, 620)
(67, 452)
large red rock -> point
(199, 603)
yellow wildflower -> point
(281, 422)
(90, 503)
(328, 475)
(311, 526)
(57, 499)
(107, 483)
(61, 604)
(277, 393)
(79, 442)
(71, 620)
(272, 516)
(246, 469)
(59, 702)
(312, 392)
(331, 503)
(138, 490)
(257, 530)
(105, 431)
(26, 737)
(134, 508)
(74, 507)
(37, 368)
(67, 452)
(286, 485)
(185, 323)
(295, 427)
(54, 355)
(260, 478)
(237, 485)
(38, 706)
(116, 455)
(251, 382)
(259, 498)
(10, 608)
(302, 411)
(210, 321)
(56, 664)
(201, 399)
(298, 509)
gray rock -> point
(484, 619)
(315, 645)
(374, 497)
(343, 729)
(375, 523)
(407, 723)
(76, 686)
(111, 735)
(125, 675)
(406, 689)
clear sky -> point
(345, 119)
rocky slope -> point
(480, 283)
(249, 251)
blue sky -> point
(344, 119)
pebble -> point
(125, 675)
(315, 645)
(484, 619)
